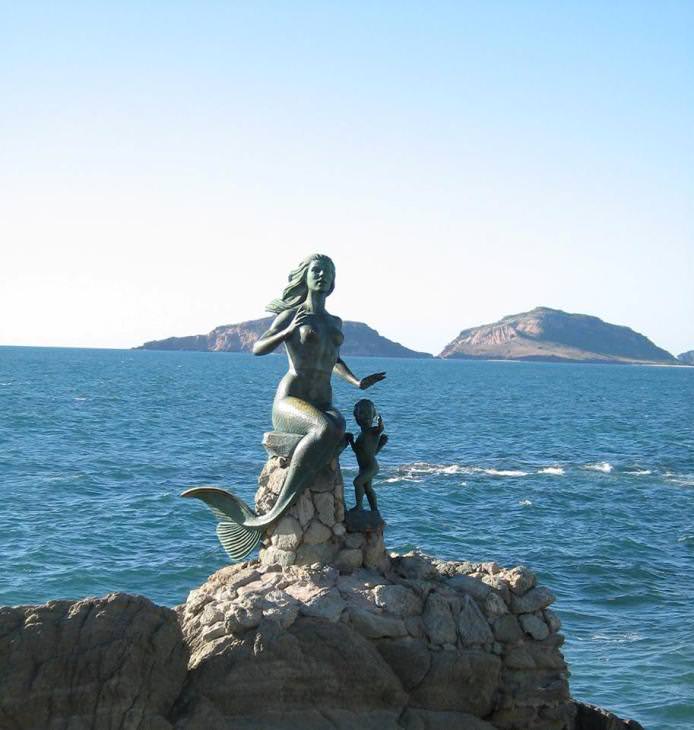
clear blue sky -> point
(164, 164)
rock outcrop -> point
(324, 631)
(112, 662)
(424, 643)
(686, 357)
(552, 335)
(360, 339)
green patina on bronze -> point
(303, 401)
(367, 444)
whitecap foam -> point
(553, 470)
(525, 503)
(617, 638)
(505, 472)
(422, 467)
(639, 472)
(79, 397)
(603, 466)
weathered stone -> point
(304, 675)
(116, 661)
(494, 606)
(414, 565)
(214, 631)
(465, 681)
(231, 578)
(552, 619)
(520, 580)
(534, 626)
(211, 615)
(590, 717)
(339, 529)
(438, 620)
(354, 540)
(507, 629)
(349, 560)
(398, 600)
(409, 658)
(197, 600)
(286, 535)
(375, 557)
(325, 507)
(339, 508)
(281, 608)
(519, 657)
(245, 614)
(534, 600)
(473, 586)
(472, 625)
(280, 443)
(533, 688)
(303, 509)
(317, 533)
(273, 555)
(311, 554)
(418, 719)
(415, 627)
(374, 626)
(328, 604)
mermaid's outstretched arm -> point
(345, 373)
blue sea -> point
(585, 473)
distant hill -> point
(556, 336)
(360, 339)
(686, 357)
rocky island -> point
(686, 357)
(360, 339)
(550, 335)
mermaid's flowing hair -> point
(295, 292)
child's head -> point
(364, 412)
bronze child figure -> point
(367, 444)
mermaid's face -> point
(319, 276)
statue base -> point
(313, 530)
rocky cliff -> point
(686, 357)
(552, 335)
(326, 630)
(422, 645)
(360, 339)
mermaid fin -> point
(237, 539)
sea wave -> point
(525, 503)
(602, 466)
(505, 472)
(423, 467)
(553, 470)
(638, 472)
(617, 638)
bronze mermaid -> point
(303, 402)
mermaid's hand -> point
(370, 380)
(300, 318)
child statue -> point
(367, 444)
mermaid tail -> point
(239, 529)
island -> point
(686, 357)
(551, 335)
(360, 339)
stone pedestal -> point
(313, 529)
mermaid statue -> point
(303, 402)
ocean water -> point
(585, 473)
